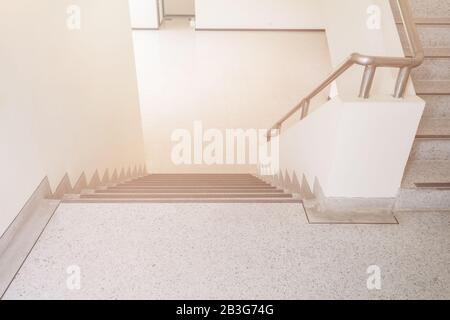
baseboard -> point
(259, 30)
(319, 215)
(327, 210)
(320, 209)
(23, 233)
(144, 29)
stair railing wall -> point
(370, 63)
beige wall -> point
(259, 14)
(347, 32)
(68, 99)
(226, 79)
(144, 14)
(345, 22)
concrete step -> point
(441, 21)
(430, 8)
(432, 87)
(434, 185)
(433, 69)
(437, 106)
(198, 181)
(426, 171)
(188, 188)
(199, 176)
(426, 9)
(193, 187)
(423, 199)
(434, 127)
(185, 195)
(431, 148)
(432, 36)
(432, 52)
(175, 201)
(182, 191)
(213, 179)
(181, 186)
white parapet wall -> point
(351, 148)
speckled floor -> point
(225, 251)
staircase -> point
(426, 184)
(187, 188)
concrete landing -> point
(231, 251)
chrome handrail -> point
(371, 63)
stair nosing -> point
(163, 201)
(427, 21)
(433, 137)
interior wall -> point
(179, 7)
(347, 32)
(144, 14)
(69, 100)
(345, 22)
(225, 79)
(350, 148)
(259, 14)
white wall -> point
(345, 22)
(259, 14)
(226, 79)
(69, 101)
(144, 14)
(353, 149)
(347, 32)
(179, 7)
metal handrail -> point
(371, 63)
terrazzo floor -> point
(231, 251)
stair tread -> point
(180, 200)
(199, 176)
(188, 188)
(425, 87)
(186, 195)
(198, 185)
(193, 187)
(187, 191)
(414, 199)
(431, 148)
(426, 171)
(437, 106)
(432, 52)
(434, 69)
(434, 127)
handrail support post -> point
(371, 64)
(305, 109)
(367, 81)
(402, 82)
